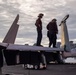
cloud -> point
(29, 10)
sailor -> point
(52, 31)
(38, 25)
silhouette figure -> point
(38, 25)
(52, 31)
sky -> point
(28, 11)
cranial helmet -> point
(40, 15)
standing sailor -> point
(38, 24)
(52, 31)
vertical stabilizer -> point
(11, 35)
(64, 35)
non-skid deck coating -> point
(52, 69)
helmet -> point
(40, 15)
(54, 19)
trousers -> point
(39, 37)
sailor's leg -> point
(54, 40)
(58, 58)
(50, 40)
(43, 61)
(39, 37)
(0, 71)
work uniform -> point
(39, 31)
(51, 33)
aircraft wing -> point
(4, 44)
(28, 48)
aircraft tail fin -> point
(64, 35)
(11, 35)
